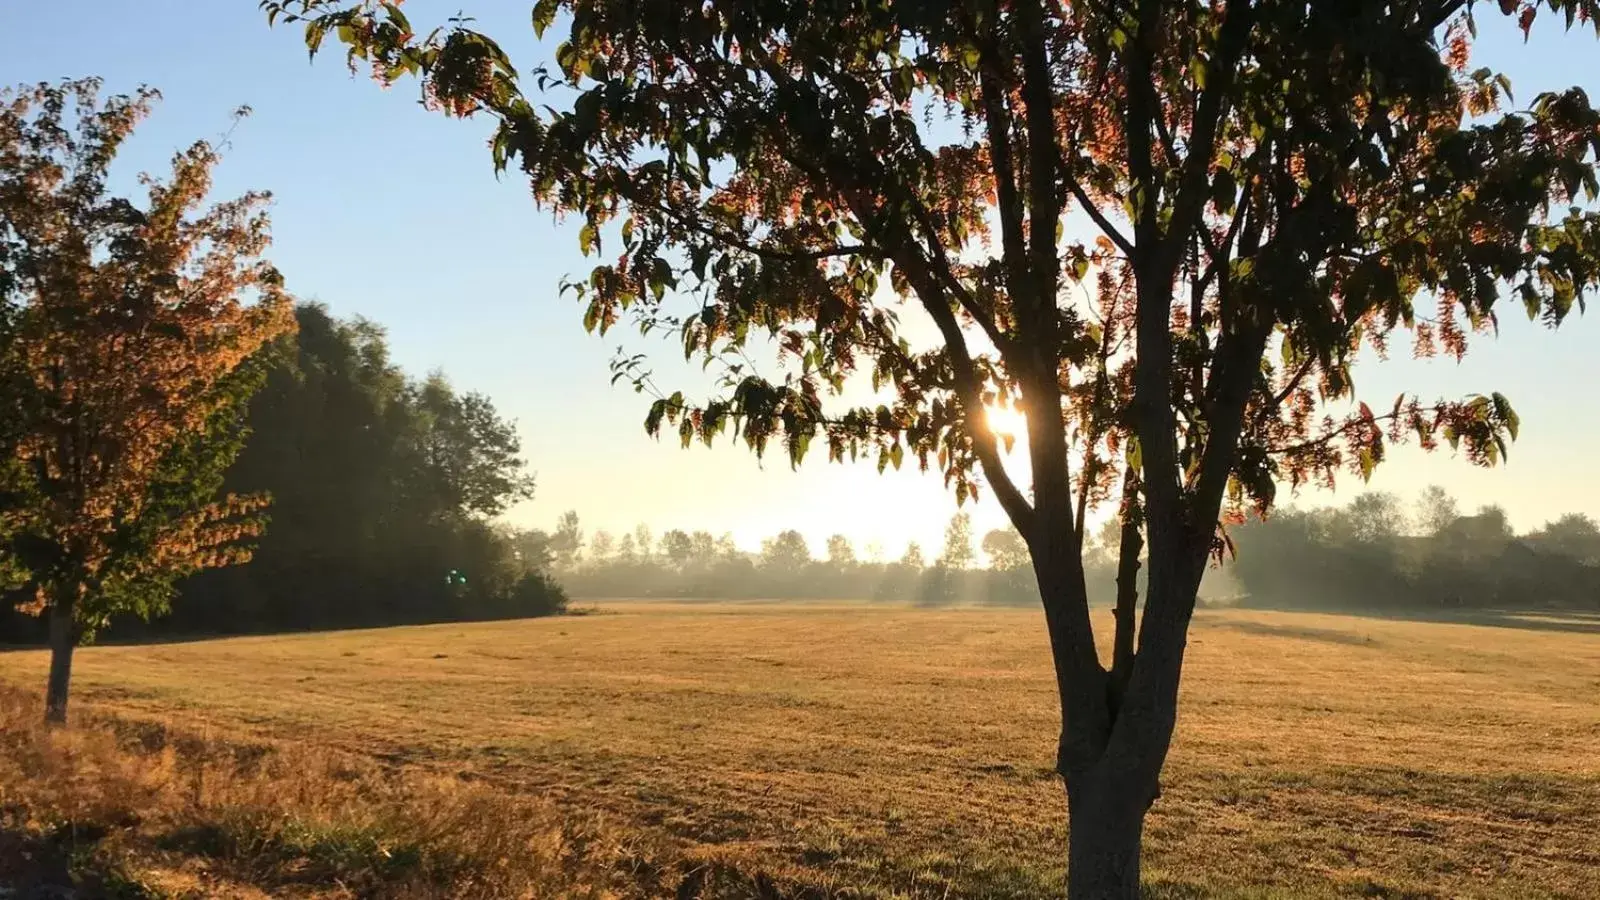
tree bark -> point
(1111, 764)
(63, 640)
(1126, 610)
(1105, 831)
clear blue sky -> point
(391, 212)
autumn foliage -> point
(133, 329)
(1166, 231)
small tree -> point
(1005, 549)
(957, 553)
(627, 551)
(567, 543)
(1269, 186)
(1374, 517)
(840, 552)
(601, 548)
(785, 552)
(135, 330)
(677, 549)
(645, 540)
(468, 457)
(912, 558)
(1436, 510)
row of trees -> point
(1375, 554)
(162, 398)
(699, 564)
(384, 493)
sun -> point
(1005, 420)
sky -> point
(384, 210)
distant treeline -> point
(700, 565)
(1373, 554)
(384, 491)
(1370, 554)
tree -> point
(1375, 518)
(912, 558)
(1436, 510)
(677, 548)
(1269, 188)
(468, 455)
(1574, 535)
(136, 334)
(601, 547)
(627, 551)
(785, 552)
(645, 541)
(1488, 529)
(957, 553)
(567, 544)
(705, 549)
(1005, 549)
(382, 485)
(840, 553)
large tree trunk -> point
(1105, 827)
(1111, 757)
(63, 639)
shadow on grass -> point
(1563, 620)
(1327, 635)
(62, 863)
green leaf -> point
(314, 35)
(652, 419)
(1502, 409)
(588, 238)
(897, 455)
(544, 13)
(397, 17)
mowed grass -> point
(870, 751)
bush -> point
(537, 594)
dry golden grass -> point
(871, 751)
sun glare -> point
(1005, 420)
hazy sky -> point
(385, 210)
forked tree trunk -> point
(63, 640)
(1111, 762)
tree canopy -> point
(129, 346)
(1164, 231)
(382, 484)
(133, 332)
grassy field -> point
(866, 751)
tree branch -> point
(1192, 193)
(968, 390)
(1294, 382)
(765, 252)
(997, 119)
(1129, 546)
(1109, 230)
(1044, 155)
